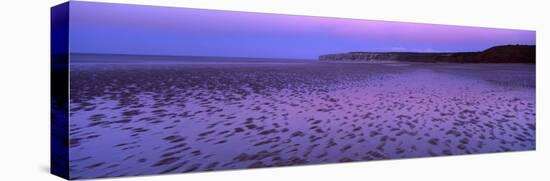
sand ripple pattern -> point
(153, 119)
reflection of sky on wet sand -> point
(172, 118)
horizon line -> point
(287, 58)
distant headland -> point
(496, 54)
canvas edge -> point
(59, 95)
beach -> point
(138, 119)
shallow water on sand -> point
(137, 119)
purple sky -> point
(133, 29)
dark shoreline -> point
(499, 54)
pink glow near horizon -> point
(159, 30)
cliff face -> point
(497, 54)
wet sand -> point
(139, 119)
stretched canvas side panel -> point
(59, 90)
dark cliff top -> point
(496, 54)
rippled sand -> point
(137, 119)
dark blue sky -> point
(133, 29)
